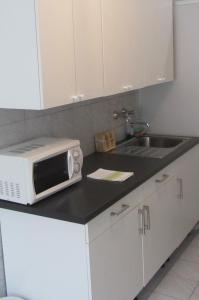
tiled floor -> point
(179, 279)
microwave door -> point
(51, 172)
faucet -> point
(130, 126)
(128, 115)
(140, 123)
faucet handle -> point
(124, 113)
(129, 112)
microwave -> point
(35, 169)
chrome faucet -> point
(128, 115)
(140, 123)
(130, 126)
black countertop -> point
(86, 199)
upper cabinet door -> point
(88, 48)
(122, 45)
(19, 78)
(157, 18)
(56, 51)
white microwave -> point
(38, 168)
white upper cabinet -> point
(157, 17)
(88, 48)
(58, 52)
(122, 45)
(36, 54)
(19, 78)
(55, 44)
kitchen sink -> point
(156, 142)
(154, 146)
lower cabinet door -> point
(188, 178)
(116, 261)
(161, 219)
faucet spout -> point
(140, 123)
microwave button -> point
(76, 154)
(76, 168)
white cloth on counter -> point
(110, 175)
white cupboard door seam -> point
(40, 79)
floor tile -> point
(157, 296)
(178, 287)
(191, 253)
(186, 269)
(195, 295)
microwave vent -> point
(26, 148)
(10, 189)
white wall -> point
(174, 107)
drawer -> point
(156, 182)
(111, 215)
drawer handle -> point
(164, 177)
(180, 195)
(124, 208)
(141, 221)
(147, 218)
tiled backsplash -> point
(82, 121)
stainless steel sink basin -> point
(156, 142)
(154, 146)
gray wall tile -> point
(8, 116)
(62, 123)
(37, 127)
(12, 133)
(101, 116)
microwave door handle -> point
(70, 165)
(81, 159)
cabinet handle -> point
(123, 209)
(75, 99)
(164, 177)
(147, 218)
(130, 87)
(180, 195)
(81, 97)
(141, 221)
(161, 79)
(125, 88)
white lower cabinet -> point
(115, 254)
(187, 169)
(160, 215)
(116, 260)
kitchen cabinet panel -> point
(36, 54)
(187, 168)
(18, 55)
(116, 260)
(157, 17)
(88, 48)
(160, 237)
(122, 45)
(56, 63)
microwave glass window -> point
(50, 172)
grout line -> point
(194, 291)
(176, 298)
(173, 260)
(169, 296)
(190, 261)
